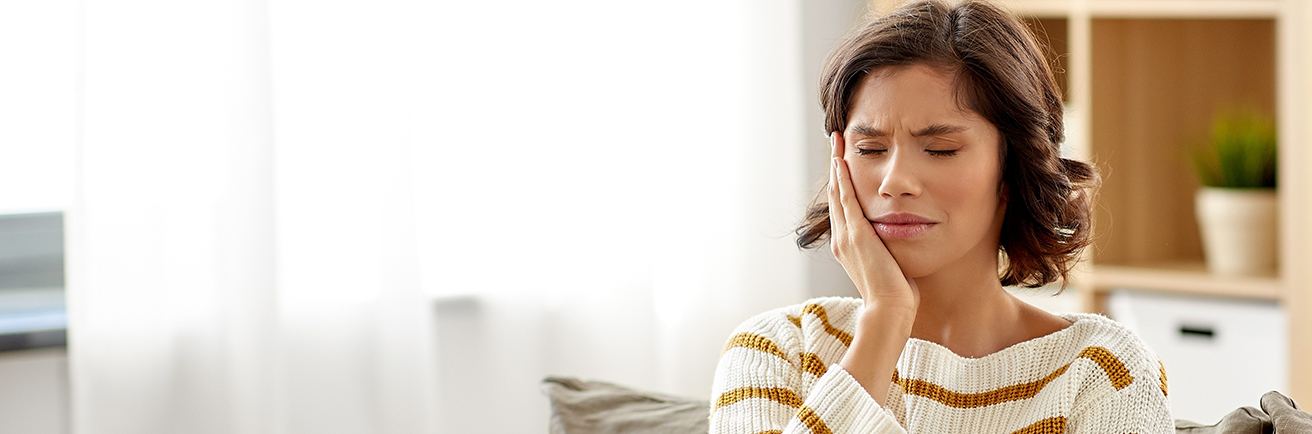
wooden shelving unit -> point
(1190, 278)
(1141, 80)
(1148, 8)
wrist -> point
(888, 316)
(901, 308)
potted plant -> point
(1236, 205)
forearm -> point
(746, 378)
(881, 332)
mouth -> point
(902, 218)
(901, 231)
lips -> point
(902, 225)
(907, 231)
(902, 218)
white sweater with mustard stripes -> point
(779, 373)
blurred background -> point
(398, 216)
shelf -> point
(1040, 8)
(1184, 8)
(1148, 8)
(1185, 278)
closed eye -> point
(935, 153)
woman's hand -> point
(890, 298)
(858, 247)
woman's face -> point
(912, 150)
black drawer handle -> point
(1197, 332)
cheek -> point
(865, 180)
(973, 196)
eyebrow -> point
(931, 130)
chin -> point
(914, 262)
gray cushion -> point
(1241, 420)
(1285, 416)
(1278, 415)
(580, 406)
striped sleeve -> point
(1141, 406)
(757, 388)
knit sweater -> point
(779, 373)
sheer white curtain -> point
(241, 247)
(396, 216)
(621, 182)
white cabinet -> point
(1220, 353)
(34, 394)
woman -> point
(946, 185)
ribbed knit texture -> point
(779, 373)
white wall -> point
(824, 23)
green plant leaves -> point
(1241, 152)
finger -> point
(836, 144)
(837, 219)
(836, 222)
(852, 214)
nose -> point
(899, 176)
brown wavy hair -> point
(1000, 73)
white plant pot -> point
(1239, 229)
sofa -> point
(587, 406)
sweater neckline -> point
(1078, 320)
